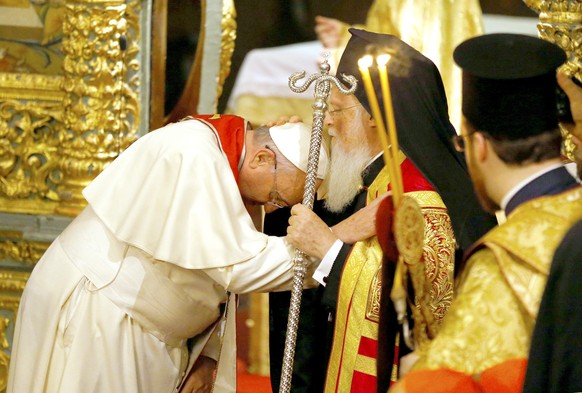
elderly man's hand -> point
(361, 225)
(329, 31)
(201, 377)
(308, 232)
(311, 235)
(574, 93)
(284, 119)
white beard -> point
(345, 176)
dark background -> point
(267, 23)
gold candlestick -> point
(364, 64)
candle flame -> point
(366, 61)
(382, 60)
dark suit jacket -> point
(555, 359)
(550, 183)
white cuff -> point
(327, 262)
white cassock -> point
(146, 266)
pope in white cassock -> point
(136, 289)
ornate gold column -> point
(561, 24)
(100, 105)
(11, 287)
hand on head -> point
(283, 120)
(328, 31)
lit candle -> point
(364, 64)
(397, 293)
(382, 62)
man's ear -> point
(261, 157)
(481, 145)
(371, 122)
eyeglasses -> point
(333, 112)
(274, 196)
(459, 142)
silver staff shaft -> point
(323, 83)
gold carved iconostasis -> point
(79, 82)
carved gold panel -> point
(13, 246)
(561, 24)
(60, 125)
(11, 286)
(72, 92)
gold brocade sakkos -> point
(352, 365)
(498, 295)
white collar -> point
(374, 158)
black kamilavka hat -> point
(509, 84)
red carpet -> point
(250, 383)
